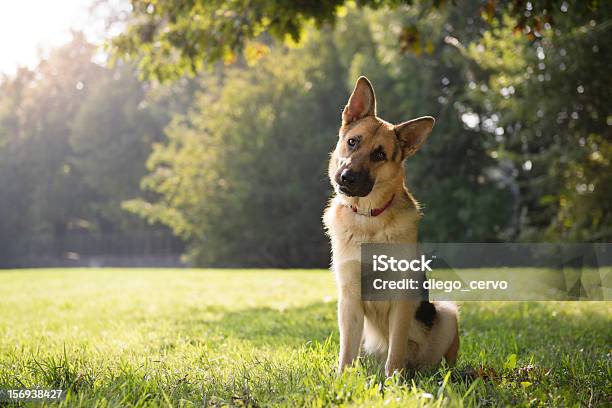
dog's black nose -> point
(348, 177)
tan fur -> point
(385, 329)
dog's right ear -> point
(362, 102)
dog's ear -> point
(412, 134)
(362, 102)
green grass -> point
(135, 337)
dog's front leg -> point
(350, 322)
(399, 320)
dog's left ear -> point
(412, 134)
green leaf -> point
(510, 363)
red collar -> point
(375, 211)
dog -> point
(371, 204)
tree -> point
(170, 38)
(243, 176)
(74, 138)
(237, 178)
(39, 187)
(111, 137)
(546, 101)
(14, 179)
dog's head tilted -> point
(370, 152)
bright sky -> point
(28, 28)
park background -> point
(198, 133)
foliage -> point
(547, 102)
(243, 175)
(237, 177)
(111, 137)
(493, 169)
(192, 338)
(177, 37)
(171, 38)
(74, 138)
(38, 187)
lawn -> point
(151, 337)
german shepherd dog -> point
(371, 204)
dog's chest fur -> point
(348, 230)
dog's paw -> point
(342, 365)
(392, 367)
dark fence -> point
(79, 248)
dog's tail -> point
(442, 340)
(448, 331)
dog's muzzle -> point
(354, 183)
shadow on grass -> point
(509, 327)
(264, 326)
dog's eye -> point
(379, 155)
(352, 142)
